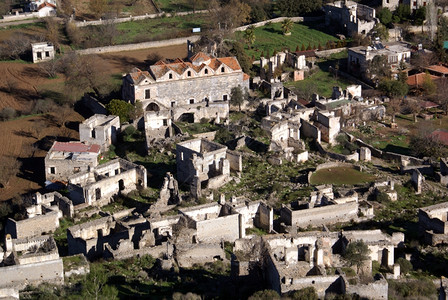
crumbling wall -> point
(235, 161)
(311, 131)
(322, 284)
(34, 226)
(265, 217)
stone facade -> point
(42, 52)
(100, 130)
(350, 16)
(96, 186)
(202, 88)
(65, 159)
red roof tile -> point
(46, 4)
(418, 79)
(200, 55)
(438, 69)
(75, 147)
(245, 77)
(441, 135)
(428, 104)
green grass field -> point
(177, 6)
(270, 37)
(340, 175)
(158, 29)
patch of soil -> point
(17, 138)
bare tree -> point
(73, 33)
(9, 167)
(431, 19)
(442, 93)
(97, 7)
(52, 35)
(394, 106)
(51, 67)
(422, 60)
(83, 74)
(16, 45)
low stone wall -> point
(384, 154)
(327, 53)
(206, 135)
(279, 20)
(139, 46)
(135, 18)
(376, 290)
(19, 17)
(34, 226)
(336, 165)
(337, 156)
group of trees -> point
(292, 8)
(402, 14)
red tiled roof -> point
(418, 79)
(428, 104)
(441, 135)
(307, 53)
(179, 66)
(200, 55)
(245, 77)
(438, 69)
(75, 147)
(46, 4)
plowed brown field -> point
(21, 85)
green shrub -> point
(405, 265)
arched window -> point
(170, 76)
(222, 69)
(206, 72)
(189, 73)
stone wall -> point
(323, 215)
(222, 228)
(188, 255)
(139, 46)
(34, 274)
(309, 130)
(279, 20)
(235, 161)
(34, 226)
(377, 290)
(337, 156)
(20, 17)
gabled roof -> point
(438, 68)
(417, 79)
(138, 75)
(307, 53)
(160, 68)
(428, 104)
(46, 4)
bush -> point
(265, 295)
(308, 293)
(7, 113)
(129, 131)
(405, 265)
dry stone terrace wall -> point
(225, 228)
(139, 46)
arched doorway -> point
(152, 107)
(186, 117)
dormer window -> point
(170, 76)
(189, 73)
(205, 71)
(222, 70)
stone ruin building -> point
(215, 222)
(100, 130)
(296, 60)
(42, 52)
(288, 121)
(65, 159)
(184, 91)
(42, 216)
(29, 261)
(305, 259)
(323, 208)
(97, 185)
(433, 223)
(205, 164)
(350, 17)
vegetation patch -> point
(270, 38)
(340, 175)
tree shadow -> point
(32, 169)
